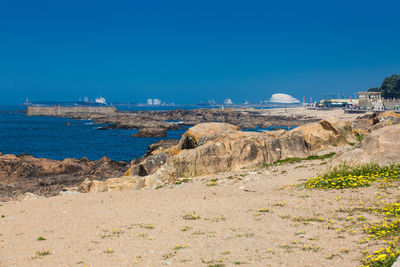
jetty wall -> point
(65, 111)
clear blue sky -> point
(187, 51)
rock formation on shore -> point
(211, 148)
(151, 132)
(24, 173)
(207, 148)
(382, 146)
(176, 119)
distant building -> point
(154, 102)
(334, 102)
(101, 100)
(375, 101)
(283, 99)
(373, 96)
(228, 101)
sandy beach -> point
(337, 113)
(254, 217)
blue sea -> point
(49, 137)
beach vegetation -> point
(146, 226)
(293, 160)
(345, 176)
(191, 216)
(41, 253)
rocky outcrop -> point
(148, 166)
(218, 147)
(275, 133)
(320, 135)
(46, 177)
(201, 133)
(371, 122)
(176, 119)
(233, 150)
(381, 146)
(160, 147)
(151, 132)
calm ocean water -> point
(50, 137)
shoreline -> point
(145, 227)
(260, 213)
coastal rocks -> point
(371, 122)
(27, 196)
(212, 148)
(320, 135)
(6, 192)
(112, 184)
(362, 126)
(124, 120)
(386, 119)
(148, 166)
(165, 174)
(275, 133)
(381, 146)
(160, 147)
(176, 119)
(201, 133)
(151, 132)
(233, 150)
(46, 177)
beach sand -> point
(253, 217)
(336, 113)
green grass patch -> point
(293, 160)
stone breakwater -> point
(68, 111)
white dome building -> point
(283, 99)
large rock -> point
(211, 148)
(234, 150)
(201, 133)
(275, 133)
(322, 134)
(148, 166)
(381, 146)
(124, 183)
(362, 126)
(160, 147)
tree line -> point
(390, 87)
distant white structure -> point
(283, 99)
(228, 101)
(154, 101)
(101, 100)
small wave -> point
(88, 123)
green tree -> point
(390, 87)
